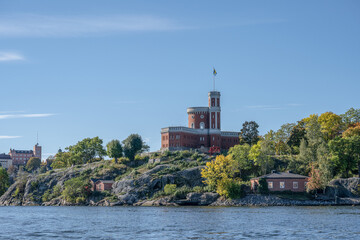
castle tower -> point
(37, 151)
(214, 109)
(214, 116)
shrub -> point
(198, 189)
(230, 188)
(75, 188)
(181, 193)
(169, 189)
(263, 186)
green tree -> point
(249, 132)
(261, 153)
(114, 149)
(86, 150)
(346, 154)
(62, 159)
(284, 133)
(4, 180)
(240, 153)
(76, 190)
(296, 135)
(33, 164)
(133, 145)
(351, 116)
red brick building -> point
(282, 181)
(203, 131)
(21, 157)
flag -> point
(214, 72)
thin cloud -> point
(10, 56)
(9, 137)
(53, 26)
(274, 107)
(33, 115)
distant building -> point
(5, 161)
(282, 181)
(21, 157)
(203, 131)
(101, 185)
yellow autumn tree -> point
(219, 176)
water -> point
(179, 223)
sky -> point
(76, 69)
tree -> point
(351, 116)
(331, 125)
(284, 133)
(62, 159)
(314, 182)
(346, 154)
(86, 150)
(76, 190)
(114, 149)
(260, 154)
(240, 153)
(133, 145)
(296, 135)
(33, 164)
(353, 130)
(4, 180)
(249, 132)
(217, 170)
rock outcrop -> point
(133, 189)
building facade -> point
(5, 161)
(21, 157)
(282, 181)
(203, 130)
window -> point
(282, 184)
(177, 136)
(270, 184)
(202, 125)
(202, 116)
(295, 185)
(192, 116)
(192, 125)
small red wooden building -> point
(282, 181)
(101, 185)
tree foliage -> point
(249, 132)
(351, 116)
(86, 150)
(219, 171)
(331, 125)
(240, 153)
(76, 190)
(133, 145)
(114, 149)
(4, 180)
(33, 164)
(353, 130)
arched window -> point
(202, 125)
(192, 125)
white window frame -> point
(295, 185)
(270, 185)
(282, 185)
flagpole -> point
(214, 82)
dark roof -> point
(23, 151)
(105, 181)
(4, 156)
(281, 175)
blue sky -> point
(76, 69)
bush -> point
(181, 193)
(198, 189)
(263, 186)
(230, 188)
(75, 188)
(169, 189)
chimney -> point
(273, 171)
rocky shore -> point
(141, 187)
